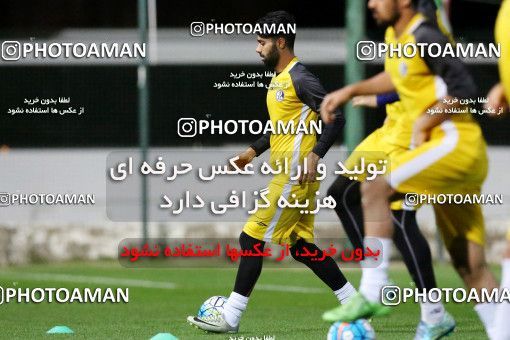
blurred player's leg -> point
(407, 237)
(378, 223)
(463, 231)
(501, 330)
(345, 190)
(469, 261)
(348, 208)
(438, 322)
(416, 254)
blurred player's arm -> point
(375, 100)
(454, 73)
(380, 83)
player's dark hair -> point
(278, 18)
(415, 3)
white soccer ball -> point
(212, 306)
(357, 330)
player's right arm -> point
(245, 158)
(380, 83)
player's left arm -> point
(454, 73)
(375, 100)
(254, 150)
(311, 92)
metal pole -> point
(143, 112)
(354, 70)
(153, 31)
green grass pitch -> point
(272, 310)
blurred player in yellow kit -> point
(383, 144)
(446, 154)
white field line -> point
(101, 280)
(93, 279)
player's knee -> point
(298, 249)
(377, 189)
(295, 256)
(478, 268)
(468, 259)
(295, 250)
(473, 274)
(471, 271)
